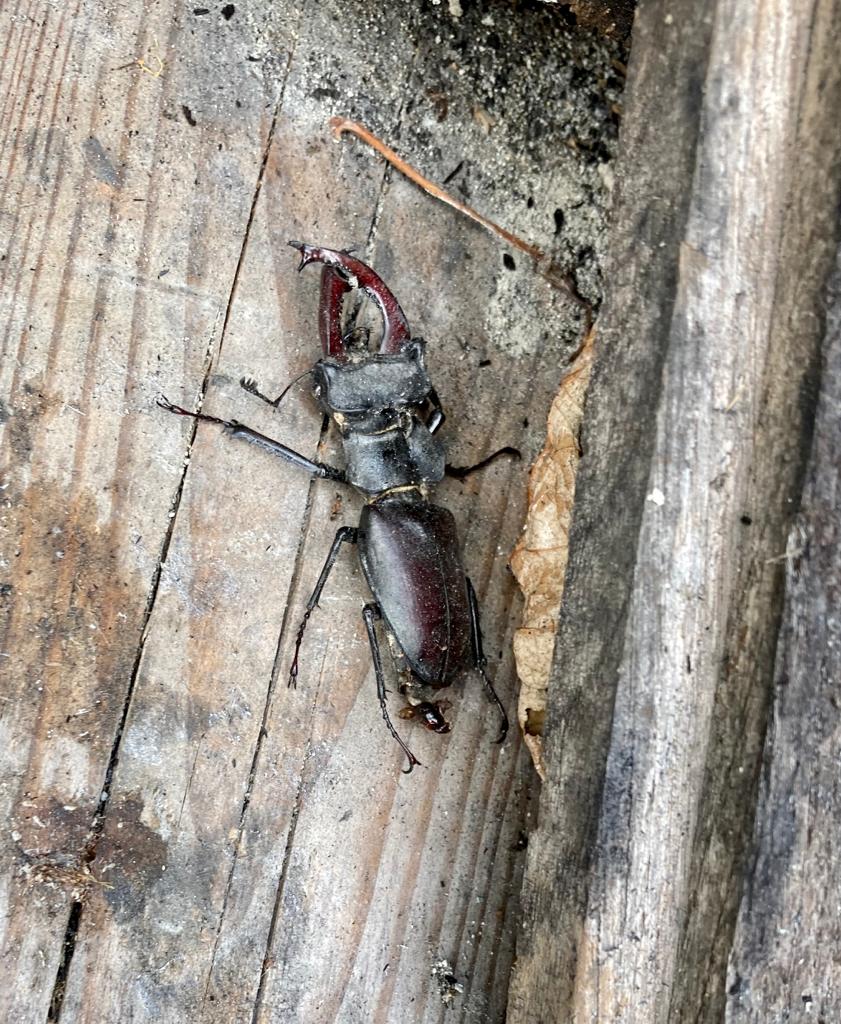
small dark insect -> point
(388, 413)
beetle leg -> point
(250, 385)
(370, 613)
(236, 429)
(345, 534)
(460, 472)
(480, 661)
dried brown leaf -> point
(539, 560)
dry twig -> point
(543, 263)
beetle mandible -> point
(388, 415)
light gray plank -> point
(122, 228)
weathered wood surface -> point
(695, 439)
(118, 260)
(784, 963)
(182, 837)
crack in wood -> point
(284, 870)
(67, 949)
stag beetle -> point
(388, 415)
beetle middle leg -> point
(344, 535)
(460, 472)
(436, 419)
(481, 662)
(370, 613)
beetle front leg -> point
(236, 429)
(344, 535)
(481, 662)
(370, 613)
(252, 387)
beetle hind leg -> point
(370, 613)
(344, 535)
(481, 662)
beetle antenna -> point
(290, 385)
(250, 385)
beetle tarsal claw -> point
(413, 762)
(165, 403)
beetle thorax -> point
(377, 403)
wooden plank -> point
(123, 228)
(783, 964)
(694, 446)
(229, 881)
(299, 863)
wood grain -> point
(783, 963)
(189, 839)
(694, 446)
(117, 263)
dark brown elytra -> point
(388, 415)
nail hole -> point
(508, 261)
